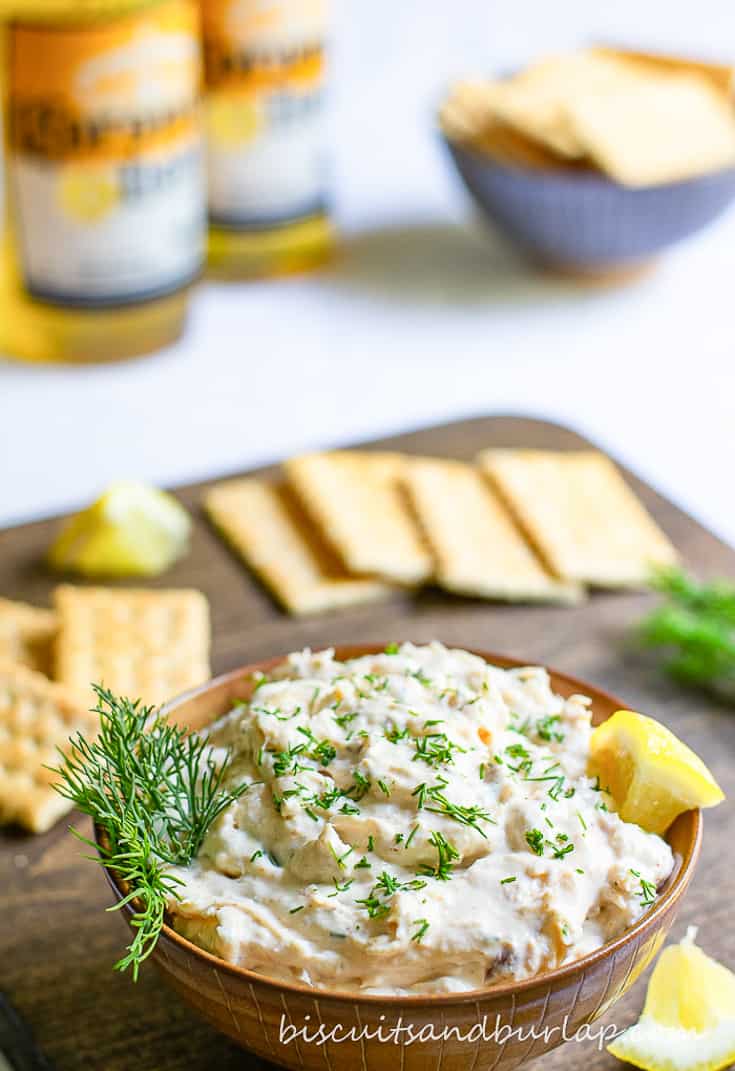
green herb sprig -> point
(695, 627)
(155, 790)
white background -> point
(422, 317)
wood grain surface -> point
(56, 942)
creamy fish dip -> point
(417, 821)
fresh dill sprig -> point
(155, 790)
(695, 628)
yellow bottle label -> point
(105, 158)
(264, 71)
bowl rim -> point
(646, 922)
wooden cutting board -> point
(57, 944)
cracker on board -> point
(37, 716)
(478, 548)
(266, 525)
(356, 500)
(581, 516)
(143, 644)
(26, 635)
(667, 128)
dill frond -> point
(155, 790)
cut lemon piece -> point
(132, 530)
(650, 774)
(688, 1021)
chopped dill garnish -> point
(394, 735)
(338, 888)
(545, 728)
(423, 926)
(326, 799)
(420, 676)
(446, 854)
(321, 751)
(286, 762)
(361, 786)
(276, 713)
(343, 720)
(507, 881)
(340, 859)
(387, 883)
(374, 907)
(435, 749)
(535, 841)
(517, 751)
(465, 815)
(562, 848)
(294, 910)
(647, 889)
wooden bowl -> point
(255, 1010)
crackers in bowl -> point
(641, 120)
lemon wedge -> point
(688, 1021)
(650, 774)
(131, 530)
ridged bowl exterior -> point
(252, 1009)
(580, 220)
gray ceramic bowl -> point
(583, 222)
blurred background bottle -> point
(264, 63)
(104, 225)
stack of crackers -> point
(640, 119)
(147, 645)
(517, 525)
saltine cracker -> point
(580, 515)
(267, 527)
(140, 643)
(356, 500)
(479, 550)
